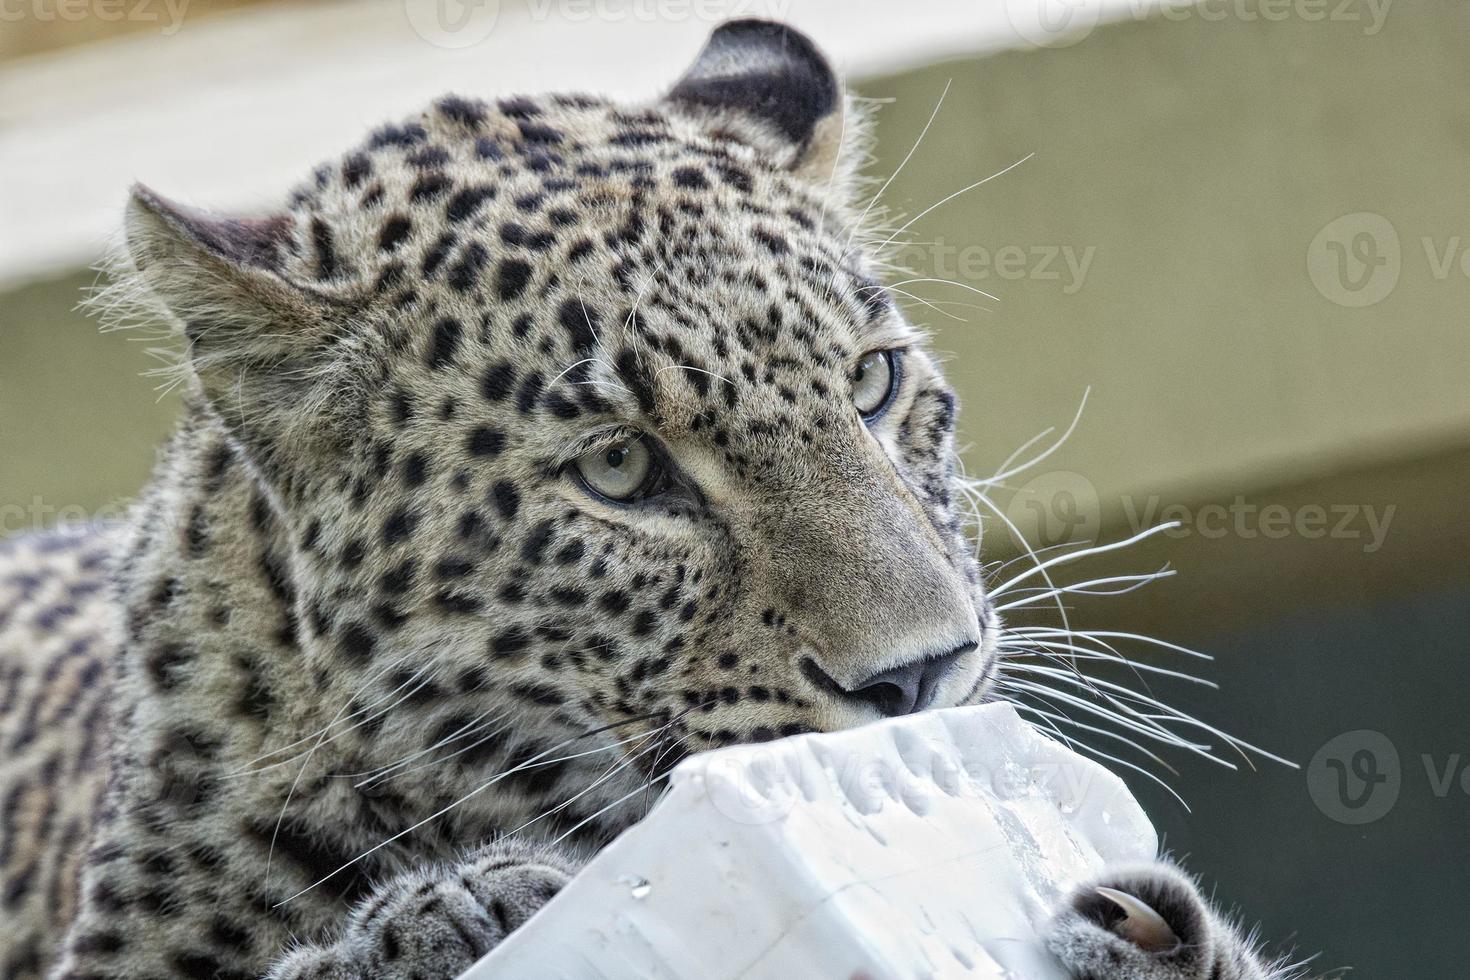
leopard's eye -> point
(622, 471)
(873, 382)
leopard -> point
(527, 448)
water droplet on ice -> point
(637, 887)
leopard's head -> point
(595, 416)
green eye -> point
(619, 471)
(873, 382)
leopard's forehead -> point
(497, 200)
(605, 245)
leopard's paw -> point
(1148, 923)
(437, 922)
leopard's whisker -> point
(980, 496)
(572, 367)
(947, 282)
(300, 773)
(1104, 732)
(521, 767)
(1171, 713)
(395, 769)
(858, 224)
(617, 767)
(615, 803)
(1129, 583)
(635, 342)
(1084, 653)
(1112, 713)
(945, 200)
(1080, 553)
(1112, 634)
(372, 676)
(1116, 760)
(1118, 697)
(1031, 638)
(252, 769)
(1009, 468)
(1114, 698)
(470, 747)
(937, 307)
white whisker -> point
(945, 200)
(1092, 750)
(904, 163)
(609, 773)
(531, 763)
(1114, 634)
(324, 738)
(617, 802)
(1084, 653)
(338, 717)
(1079, 554)
(1132, 582)
(1064, 718)
(948, 282)
(1006, 470)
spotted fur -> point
(366, 621)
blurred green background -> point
(1243, 234)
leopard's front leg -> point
(435, 923)
(1150, 922)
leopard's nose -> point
(909, 687)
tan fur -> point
(57, 620)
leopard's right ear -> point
(261, 344)
(221, 277)
(161, 230)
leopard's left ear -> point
(266, 350)
(767, 85)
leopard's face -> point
(597, 416)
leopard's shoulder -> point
(59, 626)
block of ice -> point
(926, 846)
